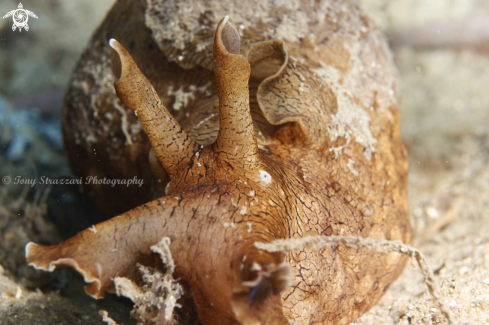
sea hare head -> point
(282, 164)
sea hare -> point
(299, 137)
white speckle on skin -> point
(265, 177)
(249, 227)
(351, 162)
(252, 193)
(243, 210)
(255, 267)
(184, 97)
(92, 229)
(232, 225)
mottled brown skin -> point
(91, 125)
(265, 171)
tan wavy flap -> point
(110, 249)
(290, 92)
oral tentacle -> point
(170, 142)
(114, 247)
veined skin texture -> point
(278, 122)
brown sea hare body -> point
(298, 137)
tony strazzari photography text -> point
(44, 180)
